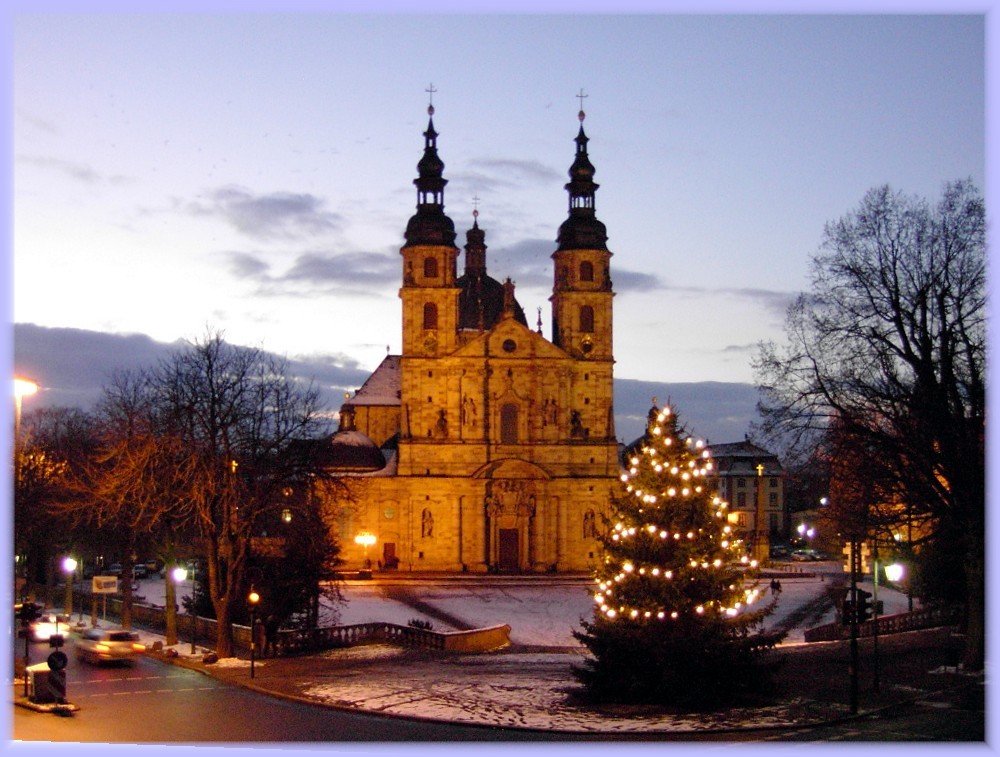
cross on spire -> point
(430, 99)
(581, 96)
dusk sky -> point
(253, 173)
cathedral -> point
(484, 447)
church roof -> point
(352, 450)
(347, 451)
(742, 458)
(382, 387)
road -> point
(155, 702)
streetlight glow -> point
(894, 572)
(24, 387)
(69, 567)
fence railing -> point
(887, 624)
(332, 637)
(313, 639)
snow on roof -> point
(382, 387)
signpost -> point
(103, 585)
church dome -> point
(481, 302)
(481, 299)
(352, 451)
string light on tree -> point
(673, 578)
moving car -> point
(47, 625)
(97, 645)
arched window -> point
(508, 424)
(430, 268)
(586, 319)
(430, 315)
(586, 271)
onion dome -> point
(582, 230)
(430, 225)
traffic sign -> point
(57, 660)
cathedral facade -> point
(485, 447)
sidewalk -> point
(533, 689)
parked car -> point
(47, 625)
(806, 555)
(115, 569)
(139, 571)
(97, 645)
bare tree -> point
(54, 443)
(891, 344)
(235, 414)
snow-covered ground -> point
(520, 687)
(546, 614)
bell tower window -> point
(586, 271)
(430, 268)
(430, 316)
(587, 319)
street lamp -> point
(252, 601)
(894, 572)
(178, 575)
(22, 388)
(365, 539)
(193, 607)
(69, 567)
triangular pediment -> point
(510, 339)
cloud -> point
(72, 366)
(77, 171)
(278, 215)
(358, 273)
(351, 267)
(770, 300)
(489, 174)
(529, 264)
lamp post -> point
(252, 599)
(178, 575)
(194, 608)
(69, 567)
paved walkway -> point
(534, 689)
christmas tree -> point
(675, 619)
